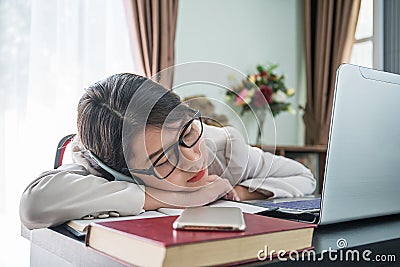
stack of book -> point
(79, 227)
(153, 242)
(150, 240)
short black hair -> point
(118, 99)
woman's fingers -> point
(232, 195)
(212, 178)
(215, 188)
(228, 191)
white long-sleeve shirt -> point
(75, 190)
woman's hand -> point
(225, 185)
(244, 193)
(214, 188)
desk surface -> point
(380, 235)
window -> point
(49, 52)
(363, 48)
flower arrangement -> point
(260, 90)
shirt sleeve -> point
(71, 192)
(264, 171)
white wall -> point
(242, 34)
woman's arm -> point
(283, 178)
(214, 189)
(266, 173)
(245, 194)
(71, 192)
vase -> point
(260, 116)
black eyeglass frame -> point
(175, 146)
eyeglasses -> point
(167, 162)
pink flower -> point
(241, 97)
(259, 99)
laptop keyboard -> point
(309, 204)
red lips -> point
(197, 177)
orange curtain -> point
(152, 27)
(329, 36)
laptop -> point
(362, 171)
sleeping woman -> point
(138, 147)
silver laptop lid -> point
(362, 172)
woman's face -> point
(191, 169)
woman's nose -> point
(189, 156)
(192, 153)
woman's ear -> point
(117, 175)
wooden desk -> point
(57, 247)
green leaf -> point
(272, 67)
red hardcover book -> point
(153, 241)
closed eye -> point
(160, 164)
(189, 133)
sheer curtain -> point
(49, 52)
